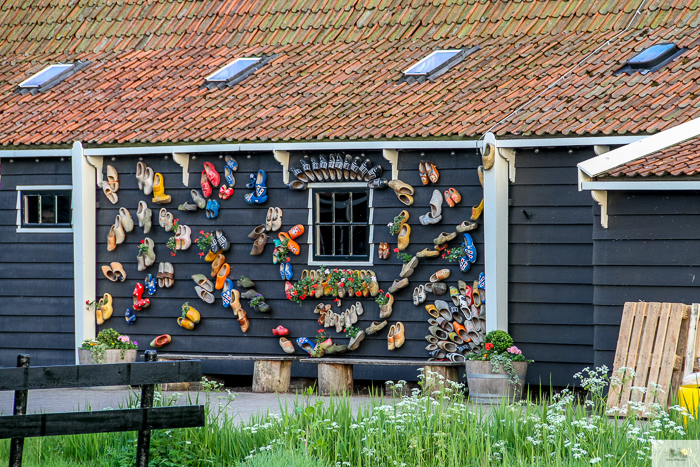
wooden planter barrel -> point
(111, 356)
(489, 388)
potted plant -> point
(108, 347)
(497, 371)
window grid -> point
(351, 223)
(48, 211)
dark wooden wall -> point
(551, 275)
(649, 252)
(36, 273)
(219, 331)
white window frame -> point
(310, 224)
(66, 68)
(56, 230)
(425, 59)
(211, 79)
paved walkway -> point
(245, 405)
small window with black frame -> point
(45, 209)
(341, 224)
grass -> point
(418, 430)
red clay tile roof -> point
(337, 69)
(678, 160)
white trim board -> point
(321, 146)
(651, 185)
(642, 148)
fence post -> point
(17, 444)
(144, 442)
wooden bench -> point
(20, 425)
(270, 374)
(335, 374)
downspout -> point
(84, 255)
(495, 222)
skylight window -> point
(651, 59)
(50, 74)
(431, 62)
(652, 56)
(233, 69)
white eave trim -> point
(324, 146)
(568, 142)
(651, 185)
(642, 148)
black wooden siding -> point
(36, 273)
(219, 331)
(649, 252)
(550, 275)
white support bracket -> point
(283, 158)
(601, 197)
(183, 160)
(509, 155)
(392, 155)
(96, 162)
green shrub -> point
(501, 340)
(283, 458)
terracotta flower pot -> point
(185, 323)
(111, 356)
(489, 388)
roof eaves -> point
(605, 162)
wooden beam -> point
(105, 421)
(113, 374)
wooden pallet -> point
(652, 341)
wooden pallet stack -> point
(658, 341)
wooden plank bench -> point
(270, 373)
(335, 374)
(23, 378)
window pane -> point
(324, 238)
(325, 207)
(48, 209)
(342, 207)
(360, 203)
(359, 241)
(63, 209)
(342, 240)
(31, 209)
(431, 62)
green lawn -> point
(420, 430)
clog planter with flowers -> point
(108, 347)
(189, 317)
(333, 283)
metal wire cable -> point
(573, 68)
